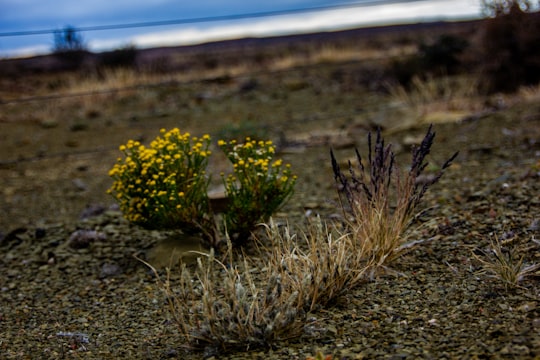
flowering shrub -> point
(165, 185)
(258, 186)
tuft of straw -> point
(504, 264)
(320, 266)
(220, 307)
(380, 201)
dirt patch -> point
(72, 288)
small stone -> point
(40, 233)
(81, 239)
(80, 184)
(109, 270)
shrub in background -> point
(440, 58)
(69, 47)
(509, 51)
(124, 57)
(68, 40)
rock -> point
(109, 270)
(92, 210)
(81, 239)
(80, 184)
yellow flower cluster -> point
(252, 156)
(258, 186)
(163, 185)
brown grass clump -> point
(319, 266)
(221, 307)
(381, 201)
(504, 264)
(425, 95)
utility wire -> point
(199, 19)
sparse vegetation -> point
(314, 281)
(509, 46)
(432, 94)
(258, 187)
(221, 307)
(165, 185)
(379, 201)
(125, 57)
(68, 40)
(504, 264)
(441, 57)
(318, 264)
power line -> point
(199, 19)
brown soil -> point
(71, 287)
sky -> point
(18, 16)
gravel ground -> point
(73, 289)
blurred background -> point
(27, 27)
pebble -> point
(81, 239)
(109, 270)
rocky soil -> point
(72, 287)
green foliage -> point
(257, 188)
(165, 185)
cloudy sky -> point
(202, 20)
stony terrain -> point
(72, 288)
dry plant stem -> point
(219, 308)
(381, 200)
(319, 269)
(504, 265)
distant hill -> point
(230, 48)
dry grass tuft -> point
(320, 266)
(380, 201)
(504, 264)
(222, 307)
(446, 94)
